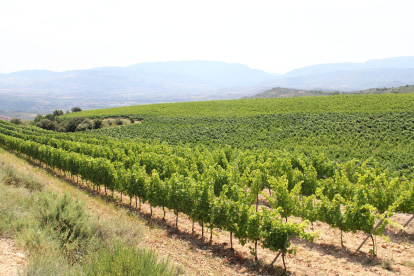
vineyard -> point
(252, 107)
(301, 154)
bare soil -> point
(196, 256)
(12, 259)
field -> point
(252, 107)
(262, 172)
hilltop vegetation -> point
(253, 107)
(385, 90)
(342, 127)
(290, 92)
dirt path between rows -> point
(195, 256)
(12, 259)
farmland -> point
(345, 161)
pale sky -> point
(275, 36)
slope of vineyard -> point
(341, 127)
(252, 107)
(214, 166)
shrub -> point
(66, 221)
(84, 125)
(97, 123)
(76, 109)
(16, 121)
(38, 118)
(57, 113)
(50, 117)
(118, 259)
(73, 123)
(49, 125)
(118, 121)
(13, 177)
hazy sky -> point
(275, 36)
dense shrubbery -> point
(68, 125)
(16, 121)
(50, 125)
(97, 123)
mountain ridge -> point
(42, 91)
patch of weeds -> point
(408, 263)
(62, 238)
(370, 261)
(129, 232)
(387, 264)
(66, 220)
(118, 122)
(120, 259)
(11, 176)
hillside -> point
(241, 178)
(27, 93)
(385, 90)
(341, 126)
(290, 92)
(252, 107)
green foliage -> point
(252, 107)
(305, 151)
(16, 121)
(97, 123)
(50, 117)
(61, 238)
(118, 122)
(66, 221)
(57, 113)
(84, 125)
(50, 125)
(387, 137)
(73, 123)
(118, 259)
(76, 109)
(38, 118)
(11, 176)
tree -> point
(97, 123)
(50, 125)
(57, 113)
(76, 109)
(73, 123)
(50, 117)
(84, 125)
(16, 121)
(38, 118)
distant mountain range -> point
(39, 91)
(154, 77)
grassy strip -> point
(61, 238)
